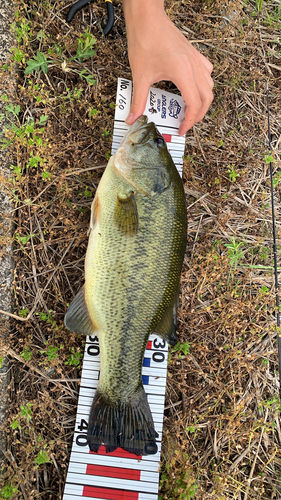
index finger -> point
(193, 103)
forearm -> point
(140, 7)
(141, 12)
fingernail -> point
(130, 118)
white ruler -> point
(121, 475)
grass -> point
(221, 435)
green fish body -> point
(132, 269)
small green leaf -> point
(43, 119)
(25, 239)
(58, 49)
(26, 411)
(8, 491)
(40, 35)
(23, 312)
(87, 193)
(15, 424)
(37, 63)
(42, 458)
(26, 354)
(269, 159)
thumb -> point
(140, 94)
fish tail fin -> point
(127, 424)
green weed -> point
(26, 411)
(232, 173)
(23, 240)
(8, 491)
(178, 483)
(21, 30)
(276, 179)
(234, 253)
(27, 134)
(23, 312)
(269, 159)
(51, 352)
(85, 46)
(93, 113)
(43, 62)
(46, 175)
(26, 354)
(15, 424)
(42, 458)
(88, 193)
(273, 403)
(181, 349)
(259, 5)
(48, 318)
(38, 63)
(74, 359)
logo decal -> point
(174, 108)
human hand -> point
(159, 51)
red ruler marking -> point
(119, 452)
(167, 137)
(107, 471)
(149, 344)
(109, 494)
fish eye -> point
(159, 140)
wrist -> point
(138, 11)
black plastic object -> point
(82, 3)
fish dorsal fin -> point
(167, 326)
(126, 213)
(77, 318)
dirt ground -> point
(222, 431)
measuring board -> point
(120, 475)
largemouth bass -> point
(132, 269)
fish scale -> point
(152, 379)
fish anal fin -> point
(126, 213)
(77, 318)
(167, 326)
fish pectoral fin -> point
(126, 213)
(77, 318)
(95, 209)
(167, 326)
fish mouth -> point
(138, 131)
(125, 158)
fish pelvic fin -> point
(127, 424)
(77, 318)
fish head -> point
(143, 160)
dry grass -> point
(222, 430)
